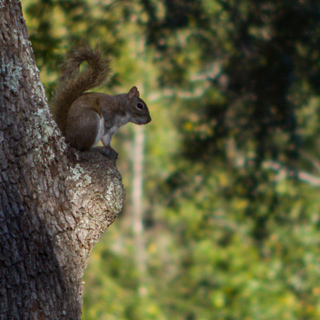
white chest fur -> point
(118, 122)
(101, 129)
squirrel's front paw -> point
(110, 152)
(107, 151)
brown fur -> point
(87, 117)
(72, 83)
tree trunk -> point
(54, 202)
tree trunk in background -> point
(54, 202)
(137, 208)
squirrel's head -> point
(139, 110)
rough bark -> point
(54, 202)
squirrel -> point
(85, 118)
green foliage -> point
(231, 170)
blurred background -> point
(222, 215)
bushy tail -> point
(73, 83)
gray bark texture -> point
(54, 202)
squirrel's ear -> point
(133, 93)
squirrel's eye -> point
(140, 106)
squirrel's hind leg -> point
(83, 129)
